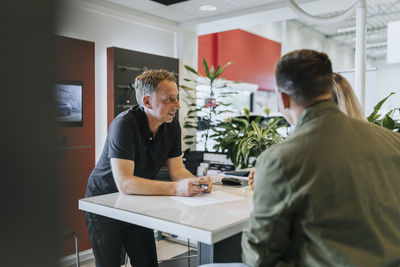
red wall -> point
(253, 57)
(75, 62)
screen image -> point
(68, 100)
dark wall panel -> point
(75, 62)
(123, 66)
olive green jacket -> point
(327, 196)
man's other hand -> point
(251, 179)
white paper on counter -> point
(207, 198)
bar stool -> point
(66, 233)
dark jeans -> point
(108, 236)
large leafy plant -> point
(244, 139)
(204, 108)
(385, 120)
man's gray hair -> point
(146, 84)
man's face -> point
(165, 102)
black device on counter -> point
(238, 173)
(231, 181)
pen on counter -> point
(203, 185)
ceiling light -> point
(207, 8)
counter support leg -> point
(227, 250)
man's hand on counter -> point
(193, 186)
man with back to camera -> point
(328, 195)
(139, 141)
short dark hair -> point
(147, 82)
(304, 75)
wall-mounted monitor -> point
(68, 99)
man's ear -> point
(285, 100)
(146, 101)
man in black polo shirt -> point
(139, 141)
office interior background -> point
(187, 31)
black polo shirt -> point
(129, 137)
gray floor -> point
(181, 260)
(166, 252)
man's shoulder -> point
(370, 131)
(299, 144)
(383, 136)
(332, 134)
(134, 111)
(296, 141)
(125, 124)
(379, 129)
(129, 116)
(280, 153)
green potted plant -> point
(204, 108)
(385, 120)
(245, 138)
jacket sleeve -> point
(267, 239)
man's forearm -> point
(141, 186)
(180, 174)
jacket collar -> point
(316, 110)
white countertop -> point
(207, 223)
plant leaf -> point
(217, 71)
(388, 122)
(225, 104)
(241, 121)
(267, 110)
(377, 108)
(257, 119)
(205, 67)
(184, 87)
(191, 70)
(246, 112)
(256, 129)
(224, 67)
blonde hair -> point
(345, 98)
(147, 82)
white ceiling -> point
(189, 10)
(232, 14)
(378, 16)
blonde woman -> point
(344, 97)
